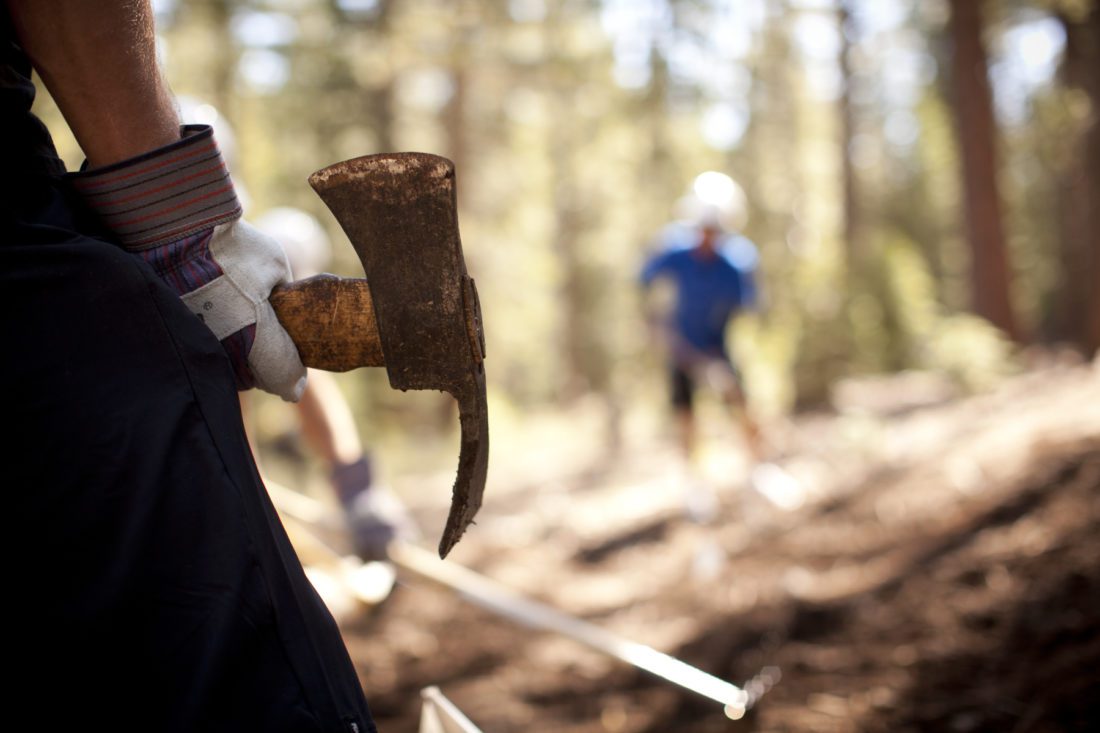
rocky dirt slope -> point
(942, 574)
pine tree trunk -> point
(1091, 335)
(977, 133)
(852, 229)
(379, 101)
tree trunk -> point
(853, 246)
(581, 345)
(977, 132)
(1091, 340)
(379, 101)
(1076, 316)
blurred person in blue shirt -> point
(713, 270)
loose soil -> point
(943, 574)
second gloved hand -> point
(375, 516)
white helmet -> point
(715, 202)
(194, 111)
(302, 237)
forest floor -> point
(942, 573)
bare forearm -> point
(98, 59)
(327, 423)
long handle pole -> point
(496, 598)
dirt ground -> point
(942, 574)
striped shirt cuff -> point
(165, 194)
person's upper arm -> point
(749, 292)
(744, 257)
(98, 60)
(672, 240)
(654, 267)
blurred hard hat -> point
(194, 111)
(715, 202)
(303, 239)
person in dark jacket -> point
(154, 588)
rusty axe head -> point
(399, 212)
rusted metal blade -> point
(399, 211)
(473, 461)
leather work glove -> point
(175, 207)
(375, 516)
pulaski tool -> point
(416, 313)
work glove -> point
(175, 207)
(375, 516)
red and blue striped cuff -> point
(165, 194)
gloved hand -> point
(375, 516)
(175, 207)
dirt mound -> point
(942, 575)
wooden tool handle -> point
(331, 321)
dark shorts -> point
(683, 383)
(151, 585)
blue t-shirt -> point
(709, 290)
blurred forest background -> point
(923, 177)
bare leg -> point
(754, 442)
(685, 421)
(753, 439)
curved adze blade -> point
(399, 212)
